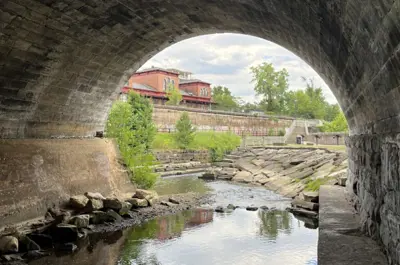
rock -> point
(115, 217)
(231, 206)
(152, 201)
(81, 221)
(136, 202)
(100, 217)
(166, 203)
(258, 162)
(251, 208)
(210, 175)
(44, 241)
(113, 203)
(126, 206)
(94, 205)
(8, 244)
(311, 196)
(219, 209)
(264, 208)
(35, 254)
(303, 212)
(172, 200)
(243, 176)
(26, 244)
(12, 257)
(68, 247)
(342, 181)
(145, 194)
(94, 195)
(260, 178)
(65, 233)
(59, 216)
(305, 205)
(78, 201)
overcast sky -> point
(225, 59)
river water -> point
(202, 236)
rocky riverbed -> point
(63, 228)
(295, 173)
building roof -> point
(153, 69)
(143, 87)
(189, 81)
(179, 71)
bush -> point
(271, 132)
(185, 131)
(281, 132)
(130, 123)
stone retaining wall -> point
(181, 156)
(36, 174)
(374, 182)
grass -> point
(314, 185)
(202, 141)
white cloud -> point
(225, 59)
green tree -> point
(331, 111)
(174, 95)
(185, 131)
(272, 85)
(339, 124)
(224, 99)
(130, 123)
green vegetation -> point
(217, 143)
(185, 131)
(314, 185)
(174, 95)
(224, 99)
(130, 123)
(339, 124)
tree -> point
(130, 123)
(339, 124)
(272, 85)
(185, 131)
(224, 99)
(174, 95)
(331, 111)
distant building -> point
(154, 82)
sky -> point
(225, 59)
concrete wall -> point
(327, 138)
(374, 182)
(166, 118)
(181, 156)
(261, 140)
(36, 174)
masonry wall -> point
(181, 156)
(374, 182)
(36, 174)
(166, 118)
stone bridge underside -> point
(62, 63)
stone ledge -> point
(340, 240)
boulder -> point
(145, 194)
(80, 221)
(78, 201)
(305, 205)
(172, 200)
(65, 233)
(310, 196)
(260, 178)
(219, 209)
(26, 244)
(210, 175)
(342, 181)
(258, 162)
(94, 205)
(115, 217)
(264, 208)
(44, 241)
(58, 216)
(231, 206)
(67, 247)
(95, 195)
(100, 217)
(251, 208)
(126, 206)
(152, 201)
(136, 202)
(113, 203)
(243, 176)
(303, 212)
(8, 244)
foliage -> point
(314, 185)
(224, 99)
(331, 111)
(272, 85)
(339, 124)
(218, 143)
(281, 132)
(174, 95)
(185, 131)
(271, 132)
(130, 123)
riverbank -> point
(60, 232)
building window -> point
(165, 84)
(204, 92)
(168, 81)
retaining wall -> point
(181, 156)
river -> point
(202, 236)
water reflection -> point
(204, 237)
(176, 185)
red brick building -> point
(154, 82)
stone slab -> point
(340, 240)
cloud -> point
(225, 59)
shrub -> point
(130, 123)
(185, 131)
(271, 132)
(281, 132)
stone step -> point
(227, 160)
(223, 164)
(232, 156)
(305, 205)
